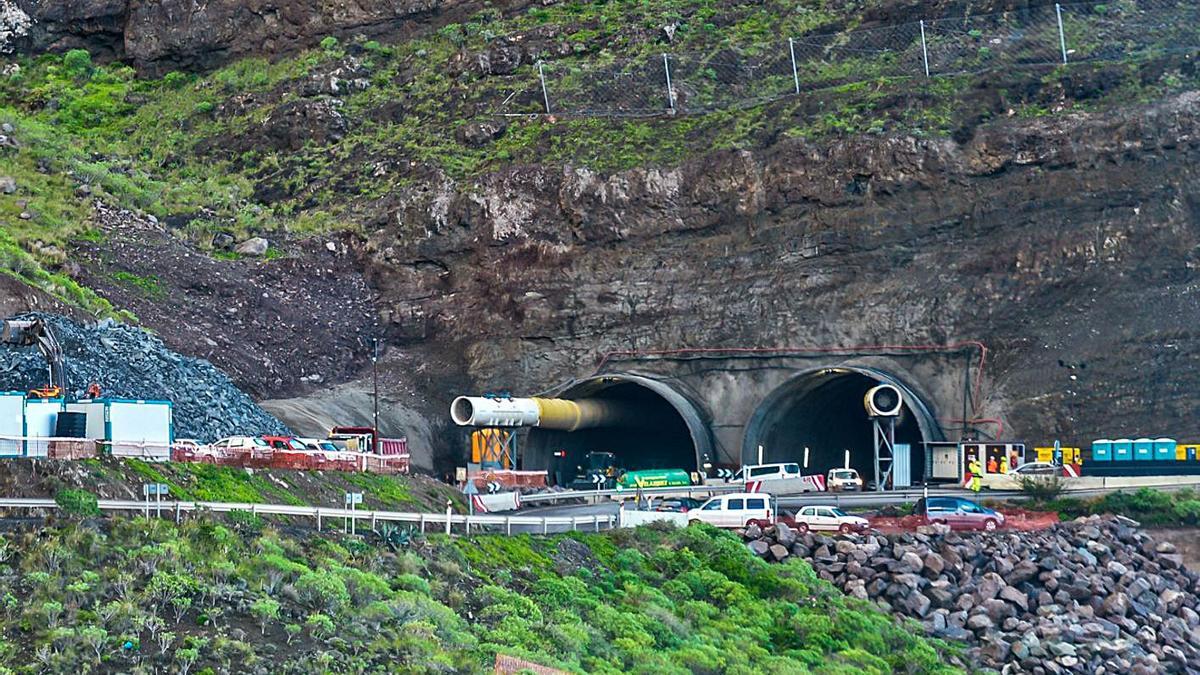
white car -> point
(828, 519)
(735, 510)
(844, 480)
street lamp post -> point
(375, 397)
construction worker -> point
(1003, 465)
(975, 470)
(992, 466)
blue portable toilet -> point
(1164, 449)
(1102, 450)
(1143, 449)
(1191, 452)
(1122, 450)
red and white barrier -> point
(501, 501)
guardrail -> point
(441, 521)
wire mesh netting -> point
(988, 42)
(732, 77)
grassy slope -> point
(123, 479)
(205, 597)
(193, 147)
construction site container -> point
(1143, 449)
(12, 423)
(1164, 449)
(41, 420)
(1102, 450)
(1122, 450)
(130, 428)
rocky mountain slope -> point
(1048, 212)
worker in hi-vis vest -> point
(974, 468)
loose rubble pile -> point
(1095, 595)
(128, 362)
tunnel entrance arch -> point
(669, 432)
(822, 409)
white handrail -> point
(420, 518)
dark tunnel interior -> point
(824, 411)
(661, 439)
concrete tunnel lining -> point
(672, 419)
(822, 408)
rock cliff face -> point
(1068, 245)
(159, 36)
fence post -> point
(422, 522)
(177, 512)
(670, 91)
(318, 520)
(508, 525)
(545, 94)
(795, 75)
(924, 48)
(545, 526)
(596, 522)
(449, 510)
(1062, 35)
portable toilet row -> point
(1125, 450)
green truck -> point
(654, 478)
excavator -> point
(30, 332)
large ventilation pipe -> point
(546, 413)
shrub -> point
(80, 503)
(175, 80)
(78, 62)
(204, 107)
(329, 44)
(246, 522)
(322, 590)
(319, 625)
(1041, 488)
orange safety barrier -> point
(509, 478)
(395, 461)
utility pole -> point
(375, 378)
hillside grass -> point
(1148, 506)
(144, 595)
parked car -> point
(829, 519)
(844, 480)
(766, 472)
(1037, 469)
(318, 444)
(241, 442)
(959, 513)
(284, 443)
(677, 504)
(735, 510)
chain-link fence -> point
(730, 78)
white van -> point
(766, 472)
(735, 510)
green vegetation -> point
(1150, 507)
(79, 503)
(145, 595)
(219, 150)
(148, 286)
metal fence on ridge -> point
(735, 77)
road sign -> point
(470, 489)
(353, 498)
(155, 489)
(493, 487)
(598, 479)
(724, 474)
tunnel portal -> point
(668, 432)
(823, 410)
